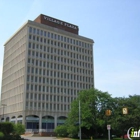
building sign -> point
(60, 22)
(43, 19)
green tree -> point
(93, 105)
(120, 122)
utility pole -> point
(3, 109)
(79, 121)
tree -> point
(93, 106)
(120, 122)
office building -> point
(46, 63)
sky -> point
(114, 25)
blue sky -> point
(114, 25)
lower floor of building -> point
(36, 121)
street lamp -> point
(108, 113)
(46, 126)
(79, 121)
(3, 109)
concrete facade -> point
(44, 68)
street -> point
(38, 138)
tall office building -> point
(46, 63)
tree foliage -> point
(11, 131)
(93, 105)
(19, 129)
(61, 130)
(6, 128)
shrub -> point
(11, 137)
(61, 130)
(10, 131)
(6, 128)
(73, 131)
(1, 135)
(19, 129)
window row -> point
(47, 106)
(68, 77)
(49, 89)
(58, 67)
(58, 54)
(53, 98)
(54, 50)
(74, 62)
(58, 37)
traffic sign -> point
(125, 110)
(108, 127)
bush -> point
(1, 135)
(61, 130)
(10, 131)
(73, 131)
(11, 137)
(6, 128)
(19, 129)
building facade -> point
(46, 63)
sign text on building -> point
(60, 22)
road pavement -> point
(29, 137)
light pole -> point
(46, 126)
(3, 109)
(79, 121)
(108, 113)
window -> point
(30, 36)
(58, 37)
(51, 35)
(44, 33)
(31, 96)
(30, 29)
(35, 96)
(48, 34)
(67, 40)
(27, 95)
(28, 70)
(43, 105)
(34, 31)
(64, 39)
(55, 36)
(38, 105)
(38, 31)
(41, 32)
(61, 38)
(39, 96)
(27, 87)
(46, 105)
